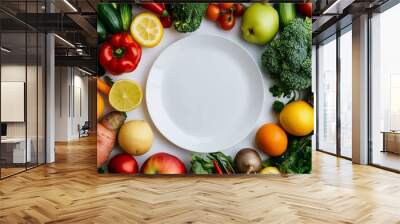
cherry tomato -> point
(226, 5)
(227, 21)
(213, 12)
(305, 9)
(239, 9)
(166, 21)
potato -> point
(135, 137)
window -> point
(346, 93)
(385, 89)
(327, 96)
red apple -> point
(123, 163)
(163, 163)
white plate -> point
(205, 93)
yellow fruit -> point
(297, 118)
(125, 95)
(100, 105)
(135, 137)
(147, 29)
(270, 170)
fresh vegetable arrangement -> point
(283, 32)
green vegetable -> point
(288, 58)
(187, 17)
(110, 17)
(115, 5)
(296, 159)
(101, 31)
(125, 11)
(203, 163)
(278, 106)
(224, 161)
(287, 12)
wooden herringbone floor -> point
(70, 191)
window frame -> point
(334, 37)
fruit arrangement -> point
(284, 32)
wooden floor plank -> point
(71, 191)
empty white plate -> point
(205, 93)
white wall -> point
(71, 94)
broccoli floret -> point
(187, 17)
(288, 58)
(271, 58)
(295, 80)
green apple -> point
(260, 23)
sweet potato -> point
(107, 130)
(103, 87)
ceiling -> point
(72, 20)
(333, 15)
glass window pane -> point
(327, 97)
(13, 85)
(31, 98)
(385, 115)
(41, 98)
(346, 94)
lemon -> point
(297, 118)
(270, 170)
(147, 29)
(125, 95)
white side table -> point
(18, 145)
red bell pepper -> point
(120, 54)
(158, 8)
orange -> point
(100, 105)
(271, 139)
(297, 118)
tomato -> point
(305, 9)
(166, 21)
(227, 21)
(213, 12)
(239, 9)
(226, 5)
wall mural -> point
(199, 88)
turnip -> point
(107, 130)
(248, 161)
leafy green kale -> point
(288, 58)
(187, 17)
(203, 163)
(296, 159)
